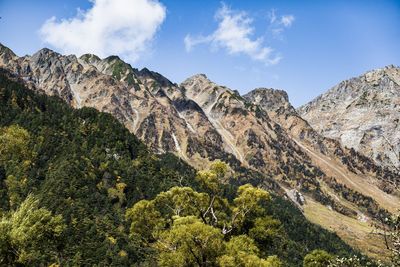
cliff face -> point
(147, 103)
(200, 121)
(363, 113)
(346, 165)
(249, 133)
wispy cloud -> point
(123, 27)
(287, 20)
(235, 34)
(279, 23)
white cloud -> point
(278, 24)
(191, 41)
(235, 34)
(272, 16)
(283, 21)
(122, 27)
(287, 20)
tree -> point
(395, 238)
(30, 235)
(188, 228)
(389, 229)
(241, 251)
(16, 157)
(14, 142)
(211, 208)
(246, 204)
(190, 242)
(317, 258)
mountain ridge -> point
(201, 121)
(370, 101)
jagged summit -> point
(113, 58)
(6, 54)
(270, 99)
(45, 53)
(363, 113)
(197, 76)
(4, 49)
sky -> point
(303, 47)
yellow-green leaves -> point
(13, 143)
(219, 168)
(242, 251)
(189, 243)
(16, 157)
(317, 258)
(29, 233)
(182, 201)
(249, 198)
(265, 229)
(190, 228)
(146, 220)
(211, 179)
(149, 217)
(208, 180)
(248, 201)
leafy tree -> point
(16, 156)
(189, 242)
(317, 258)
(242, 251)
(14, 142)
(188, 227)
(30, 235)
(211, 207)
(269, 234)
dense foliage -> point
(71, 180)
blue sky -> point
(303, 47)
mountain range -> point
(335, 157)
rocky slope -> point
(266, 133)
(202, 121)
(349, 174)
(363, 113)
(148, 104)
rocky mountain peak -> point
(378, 76)
(204, 91)
(271, 100)
(199, 76)
(198, 79)
(155, 77)
(363, 113)
(45, 52)
(90, 58)
(112, 58)
(6, 54)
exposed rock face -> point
(276, 104)
(248, 132)
(278, 107)
(201, 121)
(147, 103)
(266, 133)
(363, 113)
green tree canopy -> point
(317, 258)
(30, 235)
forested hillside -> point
(78, 189)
